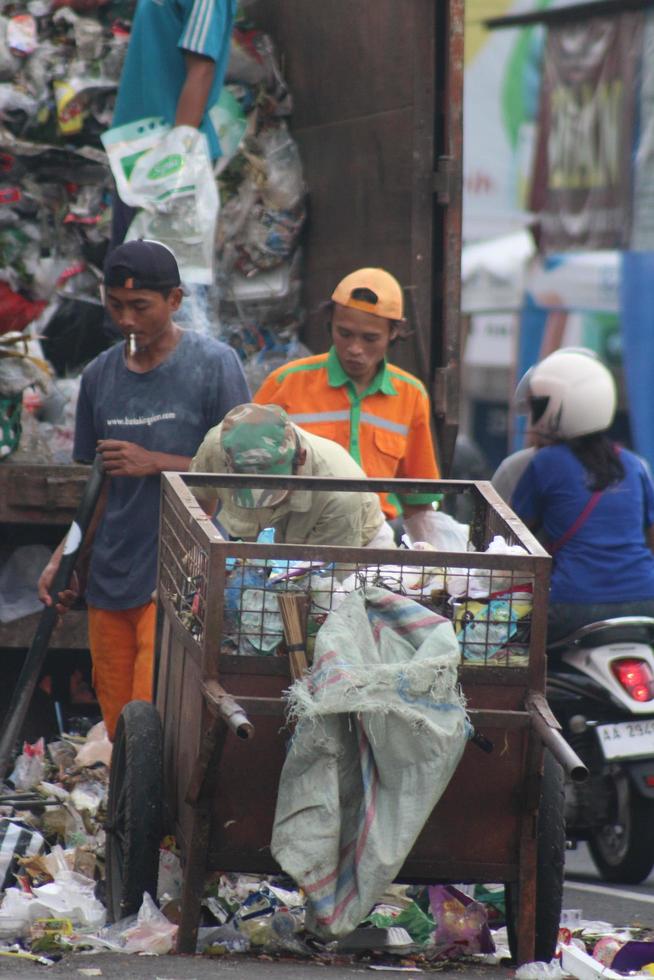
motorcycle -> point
(600, 687)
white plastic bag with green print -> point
(167, 173)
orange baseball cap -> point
(389, 302)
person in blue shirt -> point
(592, 501)
(174, 70)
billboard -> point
(582, 181)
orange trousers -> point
(122, 652)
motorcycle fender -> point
(638, 773)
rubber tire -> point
(550, 862)
(636, 858)
(134, 810)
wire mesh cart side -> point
(223, 665)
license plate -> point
(627, 739)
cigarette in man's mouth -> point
(132, 344)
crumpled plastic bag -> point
(148, 932)
(539, 970)
(167, 173)
(96, 748)
(480, 582)
(69, 896)
(437, 529)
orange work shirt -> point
(385, 428)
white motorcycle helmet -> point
(568, 394)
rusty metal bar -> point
(229, 710)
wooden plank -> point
(363, 79)
(40, 494)
(72, 634)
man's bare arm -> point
(194, 96)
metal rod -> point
(230, 711)
(559, 748)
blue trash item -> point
(489, 630)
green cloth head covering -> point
(258, 439)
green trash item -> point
(417, 923)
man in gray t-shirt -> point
(145, 405)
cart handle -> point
(549, 730)
(230, 711)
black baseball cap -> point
(141, 264)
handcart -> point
(203, 763)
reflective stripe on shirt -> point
(382, 423)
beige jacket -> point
(305, 516)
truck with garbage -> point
(341, 137)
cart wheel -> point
(134, 810)
(549, 868)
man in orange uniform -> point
(375, 410)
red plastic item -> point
(16, 311)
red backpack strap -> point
(555, 546)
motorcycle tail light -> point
(636, 678)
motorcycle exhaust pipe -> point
(549, 730)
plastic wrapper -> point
(22, 37)
(461, 923)
(16, 841)
(252, 60)
(484, 628)
(167, 173)
(481, 582)
(170, 877)
(69, 896)
(97, 747)
(88, 796)
(148, 932)
(437, 529)
(222, 939)
(269, 238)
(538, 970)
(9, 63)
(29, 767)
(15, 914)
(283, 188)
(21, 364)
(230, 124)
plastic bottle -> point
(32, 448)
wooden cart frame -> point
(219, 785)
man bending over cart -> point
(261, 439)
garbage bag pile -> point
(59, 72)
(263, 209)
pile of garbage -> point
(52, 878)
(59, 72)
(592, 948)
